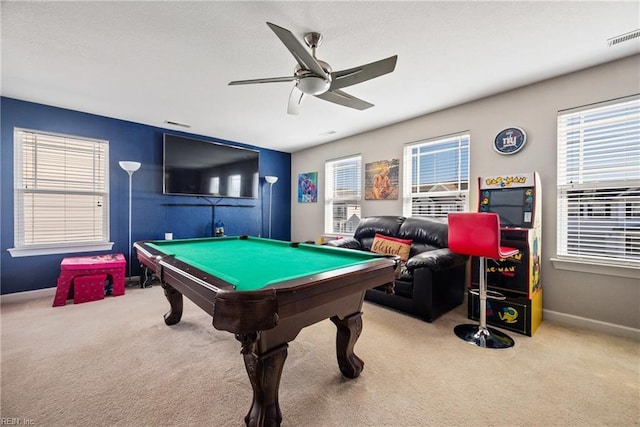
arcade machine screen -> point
(513, 205)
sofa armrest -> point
(437, 260)
(347, 243)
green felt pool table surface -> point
(251, 263)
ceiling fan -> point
(315, 77)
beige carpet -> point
(115, 363)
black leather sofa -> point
(433, 279)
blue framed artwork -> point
(308, 187)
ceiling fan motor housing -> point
(311, 83)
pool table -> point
(264, 292)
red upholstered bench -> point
(112, 265)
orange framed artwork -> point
(381, 180)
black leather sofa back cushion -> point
(432, 233)
(368, 227)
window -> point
(599, 183)
(61, 194)
(235, 183)
(343, 195)
(214, 185)
(436, 176)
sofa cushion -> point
(418, 248)
(347, 243)
(368, 227)
(438, 260)
(430, 231)
(387, 245)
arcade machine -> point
(517, 200)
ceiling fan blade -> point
(298, 51)
(352, 76)
(267, 80)
(343, 98)
(295, 101)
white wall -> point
(594, 299)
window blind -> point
(343, 195)
(599, 182)
(436, 179)
(60, 190)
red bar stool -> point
(478, 234)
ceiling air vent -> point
(169, 122)
(624, 37)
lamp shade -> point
(271, 179)
(130, 166)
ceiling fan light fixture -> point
(314, 85)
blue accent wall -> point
(153, 213)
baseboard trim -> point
(591, 324)
(27, 295)
(17, 297)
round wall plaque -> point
(510, 141)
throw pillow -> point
(391, 246)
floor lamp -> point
(271, 180)
(130, 168)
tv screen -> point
(200, 168)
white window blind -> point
(343, 194)
(599, 183)
(60, 190)
(436, 176)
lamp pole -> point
(130, 167)
(271, 180)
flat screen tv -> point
(194, 167)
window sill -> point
(52, 250)
(335, 236)
(591, 267)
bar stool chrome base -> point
(483, 337)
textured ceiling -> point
(150, 62)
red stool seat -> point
(477, 234)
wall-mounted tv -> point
(194, 167)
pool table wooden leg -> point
(349, 330)
(174, 297)
(265, 371)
